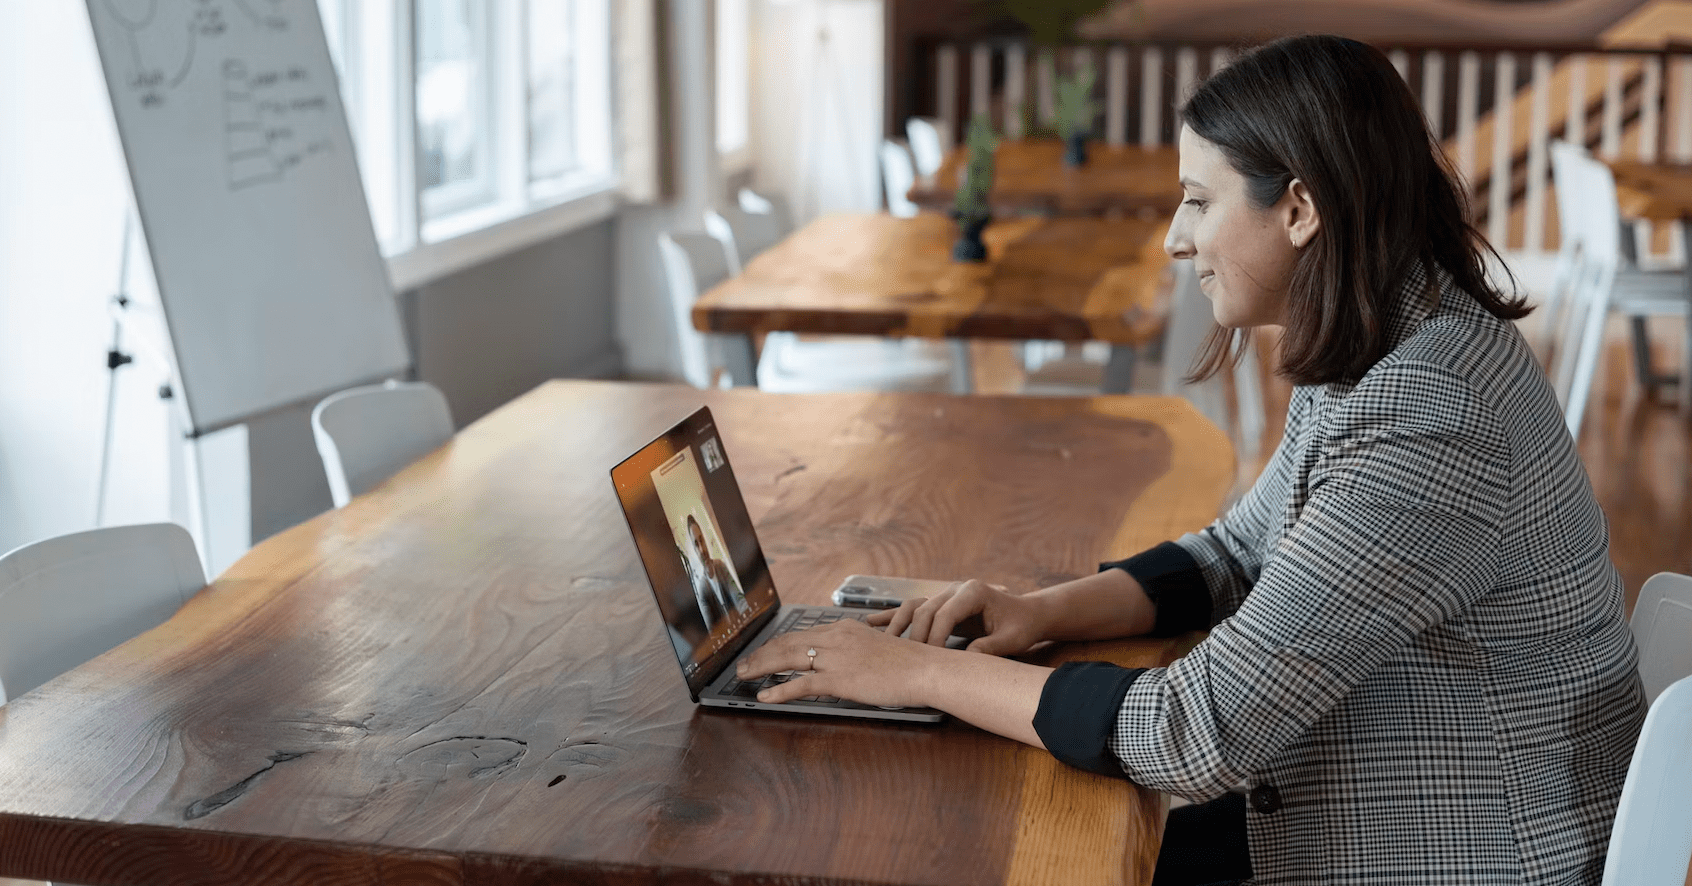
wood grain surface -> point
(1653, 191)
(1070, 278)
(462, 677)
(1030, 176)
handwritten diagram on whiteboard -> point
(247, 185)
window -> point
(569, 94)
(454, 98)
(734, 35)
(470, 115)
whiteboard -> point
(246, 182)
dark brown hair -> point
(1335, 114)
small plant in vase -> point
(970, 207)
(1075, 112)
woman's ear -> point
(1299, 213)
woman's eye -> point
(1194, 202)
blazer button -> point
(1265, 799)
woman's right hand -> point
(1010, 623)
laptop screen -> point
(696, 541)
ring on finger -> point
(812, 654)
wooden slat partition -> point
(1538, 153)
(1496, 112)
(1016, 89)
(1151, 96)
(1116, 96)
(946, 84)
(1433, 90)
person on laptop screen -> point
(1417, 666)
(715, 585)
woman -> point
(713, 577)
(1417, 668)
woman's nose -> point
(1177, 242)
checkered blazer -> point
(1417, 649)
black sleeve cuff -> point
(1077, 713)
(1171, 578)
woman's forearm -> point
(1102, 606)
(997, 694)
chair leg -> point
(1649, 378)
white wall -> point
(63, 198)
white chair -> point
(66, 600)
(1191, 318)
(367, 434)
(899, 175)
(789, 363)
(1651, 841)
(693, 263)
(743, 234)
(1662, 626)
(767, 204)
(928, 144)
(1593, 280)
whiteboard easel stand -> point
(115, 359)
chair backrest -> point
(69, 599)
(898, 175)
(928, 144)
(1588, 189)
(1651, 841)
(1662, 626)
(781, 217)
(1191, 318)
(743, 234)
(367, 434)
(693, 263)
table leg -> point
(963, 369)
(1119, 371)
(736, 357)
(1684, 384)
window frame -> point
(427, 236)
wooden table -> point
(461, 677)
(1069, 279)
(1662, 192)
(1030, 176)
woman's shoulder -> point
(1451, 373)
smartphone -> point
(885, 591)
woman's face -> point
(697, 537)
(1244, 255)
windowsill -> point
(471, 238)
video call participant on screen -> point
(1417, 667)
(714, 584)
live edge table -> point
(461, 676)
(1066, 279)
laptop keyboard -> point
(797, 620)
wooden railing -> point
(1496, 109)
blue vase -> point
(969, 246)
(1075, 150)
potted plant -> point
(970, 207)
(1075, 112)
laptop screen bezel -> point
(684, 431)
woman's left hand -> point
(852, 661)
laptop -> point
(708, 573)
